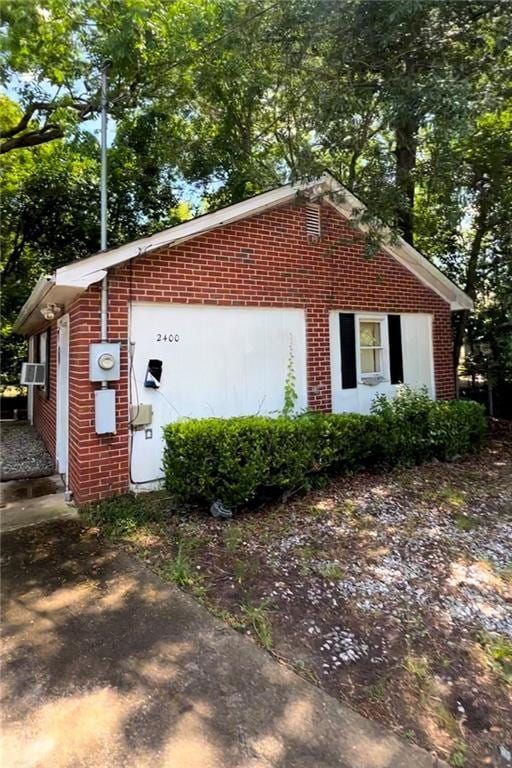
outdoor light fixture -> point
(51, 311)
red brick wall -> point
(263, 261)
(45, 408)
(98, 464)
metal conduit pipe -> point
(103, 234)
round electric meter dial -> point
(106, 361)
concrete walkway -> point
(33, 501)
(104, 665)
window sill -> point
(373, 381)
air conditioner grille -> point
(313, 228)
(33, 373)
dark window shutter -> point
(395, 349)
(348, 351)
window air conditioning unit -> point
(33, 373)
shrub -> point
(229, 459)
(456, 427)
(404, 420)
(121, 516)
(237, 460)
(417, 428)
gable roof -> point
(69, 281)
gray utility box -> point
(141, 415)
(104, 361)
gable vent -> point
(313, 221)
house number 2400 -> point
(167, 337)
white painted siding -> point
(417, 356)
(227, 361)
(30, 390)
(417, 351)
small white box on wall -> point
(105, 411)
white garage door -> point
(216, 361)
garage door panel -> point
(216, 361)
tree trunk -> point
(406, 129)
(15, 255)
(471, 275)
(352, 169)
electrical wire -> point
(158, 392)
(132, 377)
(206, 46)
(131, 348)
(132, 433)
(212, 43)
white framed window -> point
(372, 348)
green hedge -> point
(236, 460)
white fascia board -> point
(85, 271)
(430, 275)
(407, 256)
(80, 281)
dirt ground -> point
(104, 665)
(392, 592)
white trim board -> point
(62, 383)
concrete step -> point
(32, 501)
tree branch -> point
(15, 138)
(32, 139)
(21, 125)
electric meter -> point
(106, 361)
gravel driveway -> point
(23, 453)
(392, 592)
